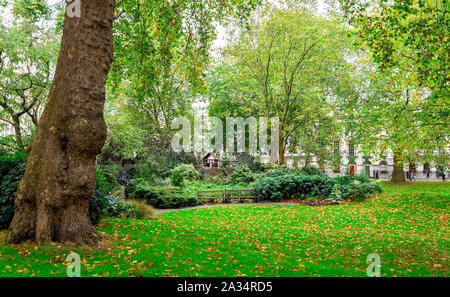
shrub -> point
(163, 197)
(132, 186)
(216, 180)
(281, 184)
(335, 196)
(146, 210)
(310, 170)
(12, 168)
(187, 171)
(97, 204)
(253, 163)
(241, 175)
(177, 179)
(119, 175)
(124, 210)
(106, 181)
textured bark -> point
(398, 175)
(52, 200)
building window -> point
(337, 150)
(351, 150)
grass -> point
(407, 226)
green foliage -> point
(31, 9)
(177, 179)
(252, 163)
(28, 54)
(286, 63)
(335, 195)
(403, 92)
(98, 204)
(168, 197)
(160, 60)
(187, 171)
(12, 168)
(133, 185)
(280, 185)
(310, 170)
(125, 210)
(160, 197)
(394, 33)
(241, 175)
(106, 181)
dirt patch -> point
(314, 203)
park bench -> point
(227, 195)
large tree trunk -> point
(52, 200)
(398, 175)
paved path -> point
(159, 211)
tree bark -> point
(281, 152)
(398, 175)
(18, 133)
(281, 145)
(52, 200)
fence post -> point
(228, 195)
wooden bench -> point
(228, 195)
(210, 195)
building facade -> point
(354, 162)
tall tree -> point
(53, 197)
(408, 41)
(52, 200)
(285, 60)
(28, 52)
(161, 55)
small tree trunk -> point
(18, 133)
(281, 151)
(52, 200)
(398, 175)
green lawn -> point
(407, 226)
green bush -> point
(132, 186)
(106, 181)
(310, 170)
(116, 208)
(168, 197)
(177, 179)
(335, 195)
(241, 175)
(97, 205)
(281, 184)
(253, 163)
(163, 197)
(278, 186)
(12, 168)
(187, 171)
